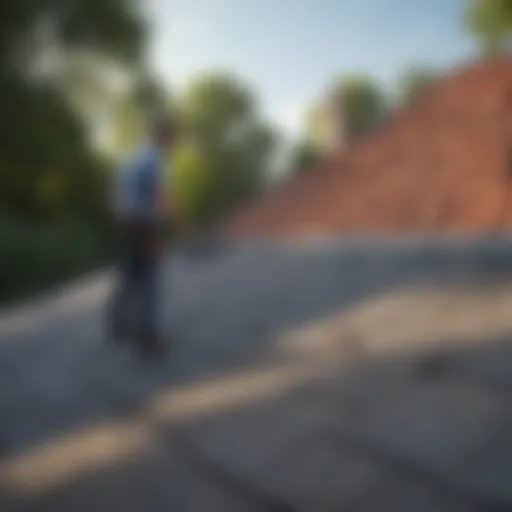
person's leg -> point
(121, 305)
(148, 298)
(116, 310)
(149, 306)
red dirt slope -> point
(443, 164)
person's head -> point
(163, 133)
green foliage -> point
(127, 125)
(33, 256)
(490, 22)
(227, 149)
(356, 101)
(192, 182)
(415, 82)
(111, 28)
(131, 113)
(216, 109)
(44, 154)
(52, 183)
(305, 156)
(363, 103)
(318, 127)
(230, 149)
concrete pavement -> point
(322, 376)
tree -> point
(318, 127)
(415, 81)
(55, 56)
(50, 167)
(191, 182)
(46, 144)
(230, 148)
(132, 112)
(111, 28)
(304, 156)
(490, 22)
(218, 109)
(362, 102)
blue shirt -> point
(138, 185)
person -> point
(140, 212)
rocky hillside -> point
(443, 164)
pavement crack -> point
(410, 469)
(230, 479)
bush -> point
(33, 257)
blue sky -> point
(289, 50)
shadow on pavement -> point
(420, 429)
(87, 427)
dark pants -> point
(134, 305)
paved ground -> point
(312, 377)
